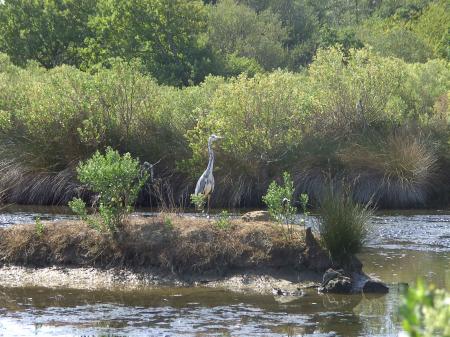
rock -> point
(375, 287)
(339, 285)
(256, 216)
(314, 257)
(331, 274)
(334, 281)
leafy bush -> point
(300, 122)
(117, 180)
(223, 223)
(39, 227)
(234, 28)
(304, 199)
(262, 120)
(199, 201)
(279, 200)
(426, 311)
(342, 225)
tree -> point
(236, 28)
(163, 34)
(48, 31)
(434, 27)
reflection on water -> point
(405, 265)
(402, 247)
(191, 312)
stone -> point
(375, 287)
(339, 285)
(334, 281)
(256, 216)
(331, 274)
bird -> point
(205, 184)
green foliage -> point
(39, 227)
(78, 206)
(199, 200)
(117, 179)
(302, 122)
(223, 223)
(237, 29)
(261, 118)
(50, 32)
(343, 225)
(426, 311)
(279, 200)
(168, 223)
(434, 27)
(304, 199)
(398, 42)
(163, 34)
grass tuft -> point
(343, 225)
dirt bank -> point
(164, 250)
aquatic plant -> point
(425, 311)
(342, 225)
(117, 180)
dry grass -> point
(399, 171)
(23, 185)
(186, 246)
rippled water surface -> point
(402, 248)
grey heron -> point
(205, 184)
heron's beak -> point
(218, 137)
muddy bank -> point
(170, 250)
(165, 250)
(253, 281)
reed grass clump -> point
(343, 225)
(399, 169)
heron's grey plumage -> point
(205, 184)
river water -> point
(401, 248)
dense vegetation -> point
(425, 311)
(356, 91)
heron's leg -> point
(209, 198)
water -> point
(402, 248)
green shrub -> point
(234, 28)
(199, 201)
(223, 223)
(279, 200)
(117, 180)
(342, 225)
(426, 311)
(168, 223)
(304, 198)
(39, 227)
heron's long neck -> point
(211, 158)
